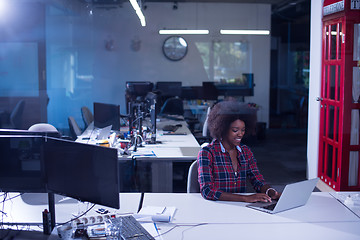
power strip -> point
(93, 219)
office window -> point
(302, 69)
(225, 61)
(19, 69)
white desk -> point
(178, 147)
(323, 217)
(173, 148)
(27, 209)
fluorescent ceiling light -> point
(138, 11)
(179, 31)
(246, 32)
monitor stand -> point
(49, 216)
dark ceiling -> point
(290, 19)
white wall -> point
(314, 88)
(105, 72)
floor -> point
(280, 154)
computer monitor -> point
(209, 91)
(106, 114)
(21, 168)
(169, 89)
(27, 132)
(138, 90)
(85, 172)
(191, 92)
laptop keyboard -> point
(170, 128)
(270, 207)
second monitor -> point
(107, 114)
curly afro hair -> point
(223, 114)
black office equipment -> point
(138, 90)
(132, 229)
(172, 106)
(21, 168)
(82, 171)
(28, 133)
(170, 128)
(209, 91)
(42, 164)
(169, 89)
(107, 114)
(191, 92)
(151, 108)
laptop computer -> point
(104, 133)
(294, 195)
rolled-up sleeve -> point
(205, 175)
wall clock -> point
(175, 48)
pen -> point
(141, 201)
(163, 210)
(157, 230)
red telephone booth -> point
(339, 146)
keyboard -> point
(132, 229)
(170, 128)
(270, 207)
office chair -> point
(87, 116)
(204, 136)
(16, 115)
(192, 182)
(45, 128)
(172, 106)
(75, 130)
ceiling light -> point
(138, 11)
(245, 32)
(179, 31)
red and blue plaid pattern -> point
(217, 175)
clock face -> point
(175, 48)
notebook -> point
(294, 195)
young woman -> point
(225, 164)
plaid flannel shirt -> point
(216, 173)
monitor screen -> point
(169, 89)
(107, 114)
(191, 92)
(82, 171)
(135, 90)
(21, 164)
(209, 91)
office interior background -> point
(77, 52)
(60, 55)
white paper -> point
(157, 214)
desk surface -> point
(323, 217)
(180, 146)
(176, 147)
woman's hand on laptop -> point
(258, 197)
